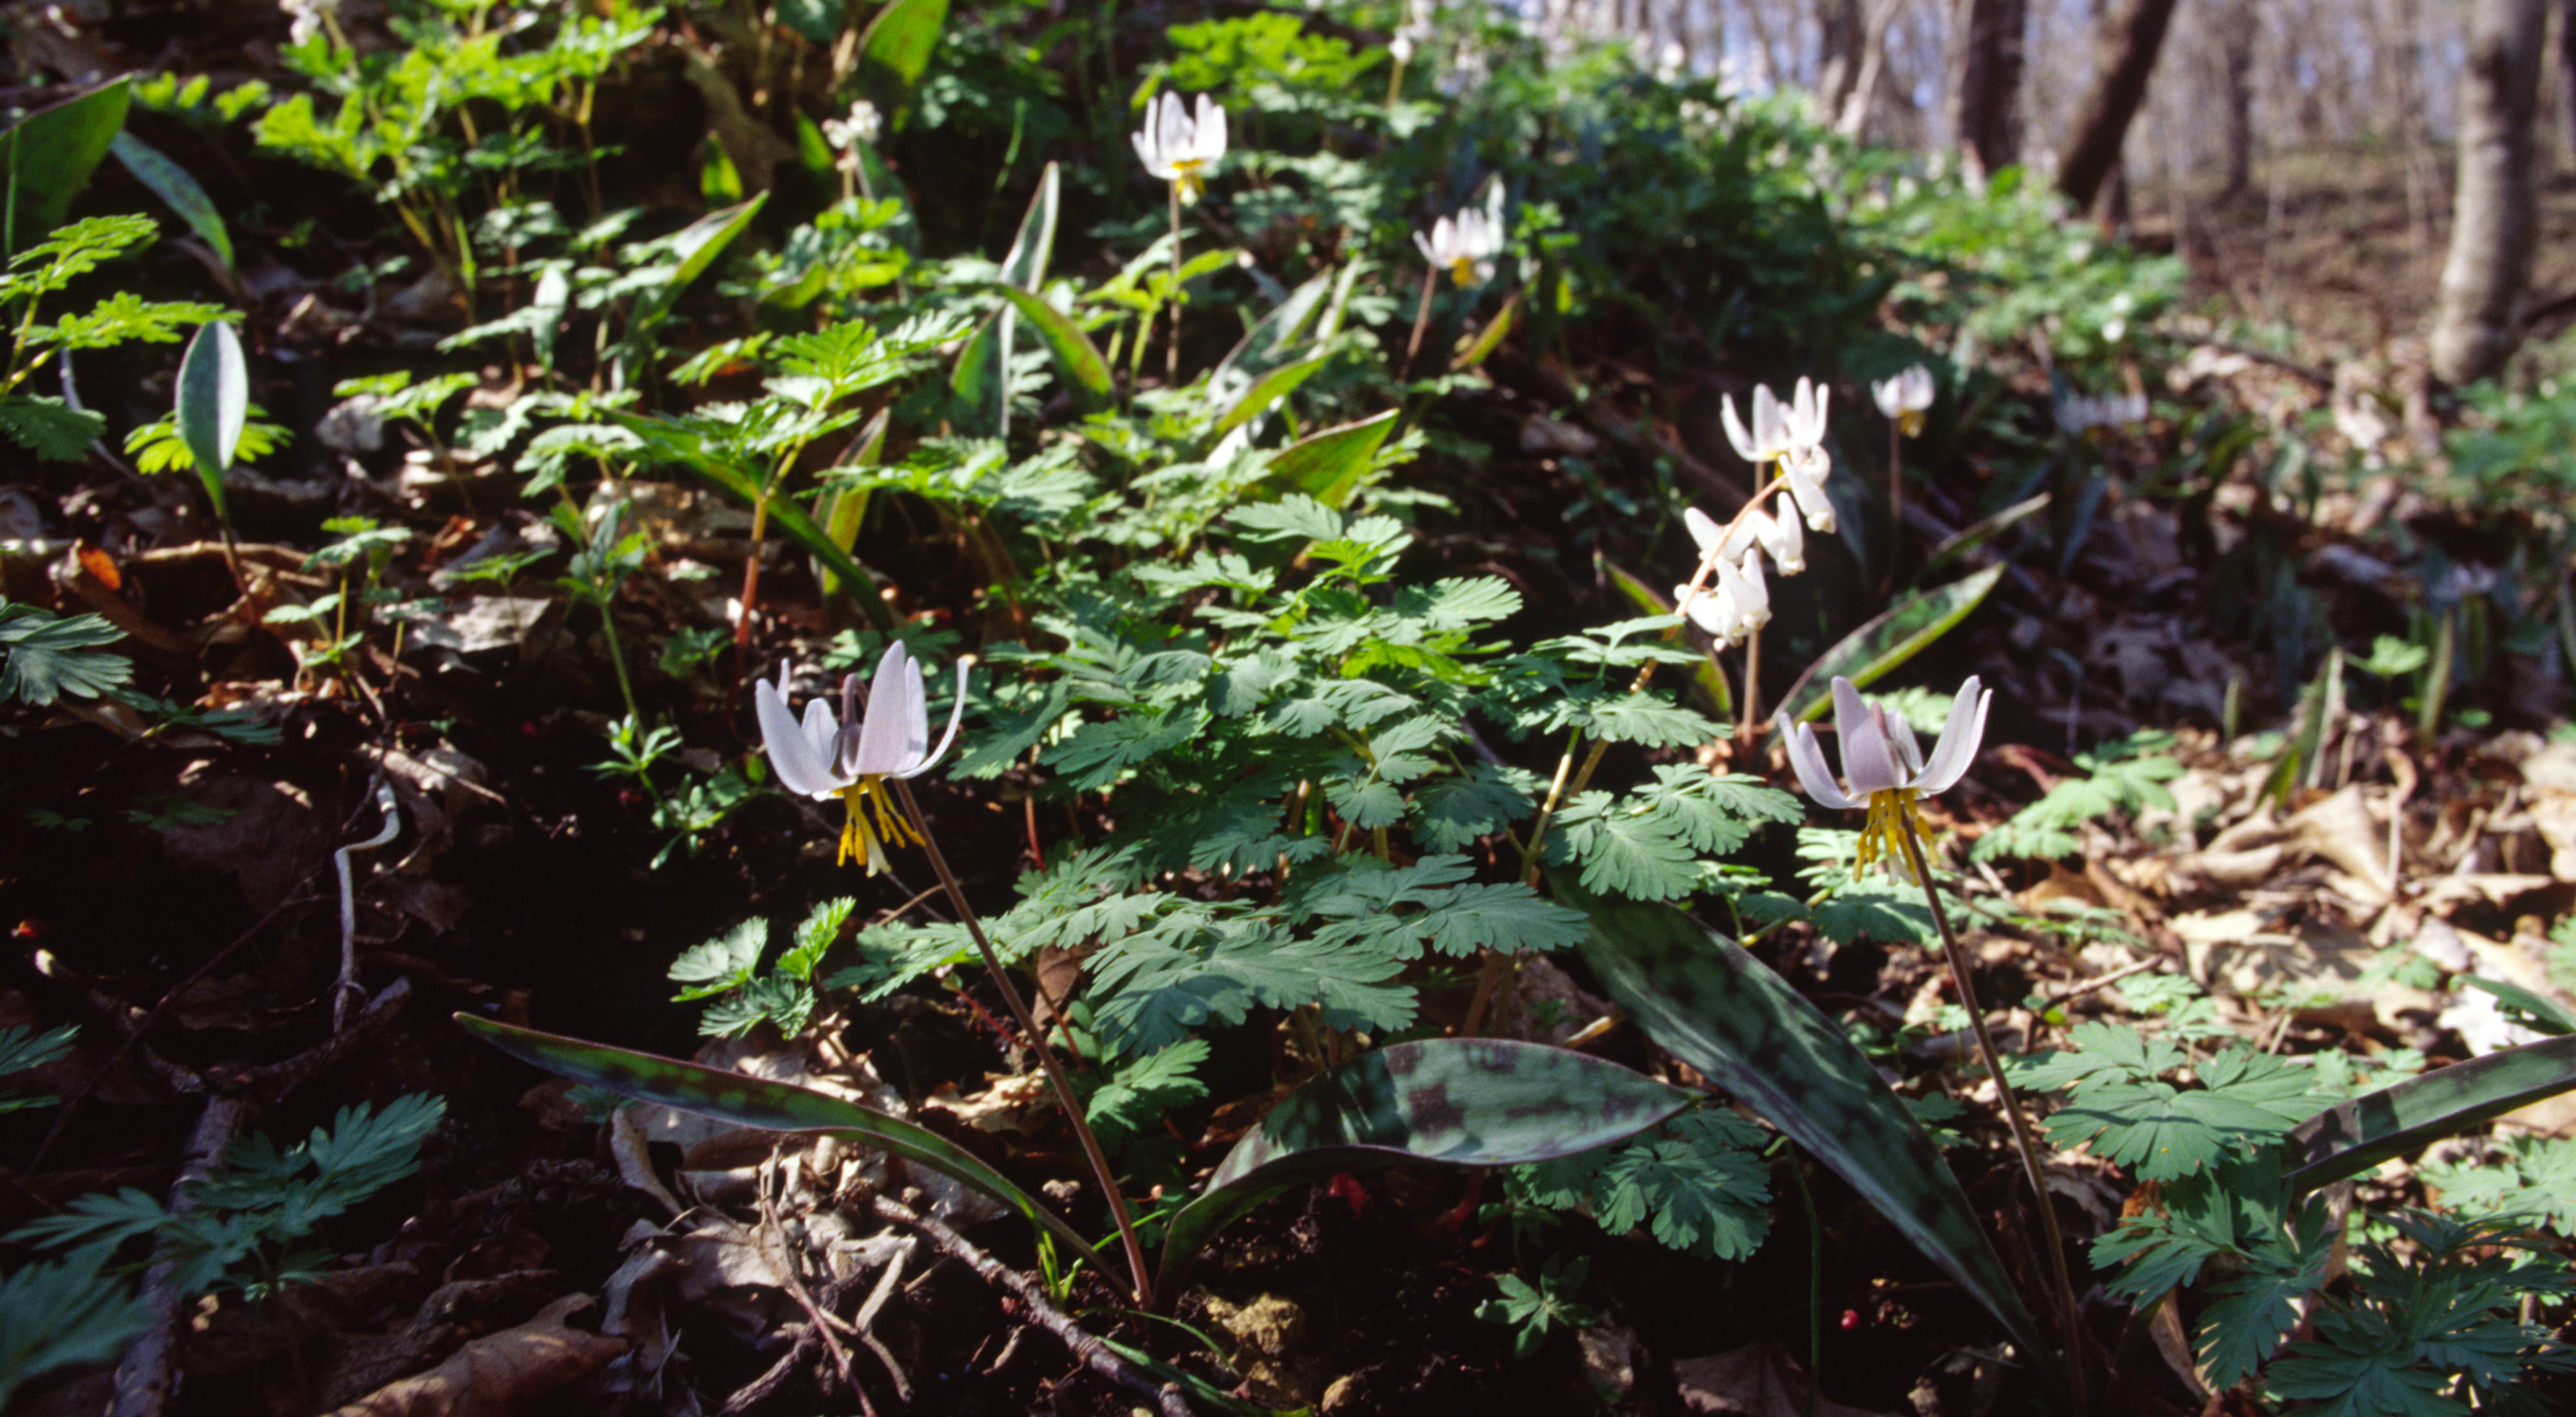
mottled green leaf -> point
(756, 1102)
(2352, 1137)
(1894, 637)
(1466, 1102)
(177, 189)
(1722, 1011)
(49, 156)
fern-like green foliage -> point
(259, 1198)
(2119, 1099)
(2121, 776)
(22, 1049)
(64, 1312)
(2529, 1176)
(49, 656)
(1697, 1185)
(727, 970)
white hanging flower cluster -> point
(1735, 600)
(863, 126)
(307, 17)
(1791, 434)
(1179, 148)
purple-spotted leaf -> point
(758, 1102)
(2352, 1137)
(1717, 1008)
(1464, 1101)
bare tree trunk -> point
(1988, 114)
(2129, 56)
(1852, 118)
(2491, 216)
(2238, 27)
(2567, 67)
(1844, 38)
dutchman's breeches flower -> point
(851, 756)
(1883, 769)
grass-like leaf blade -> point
(1464, 1101)
(757, 1102)
(1714, 1006)
(2351, 1137)
(1904, 631)
(2547, 1015)
(177, 189)
(1077, 359)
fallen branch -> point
(1094, 1354)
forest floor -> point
(177, 895)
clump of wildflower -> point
(851, 756)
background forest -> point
(1760, 706)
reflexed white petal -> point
(1756, 594)
(1735, 601)
(822, 731)
(789, 755)
(1704, 530)
(1745, 447)
(1806, 471)
(1209, 139)
(1869, 762)
(1900, 735)
(1809, 761)
(1804, 423)
(1428, 246)
(1173, 129)
(1917, 389)
(1769, 428)
(1154, 164)
(916, 722)
(881, 736)
(1787, 545)
(956, 711)
(1889, 395)
(1959, 738)
(1706, 609)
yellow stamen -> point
(1463, 271)
(1190, 177)
(858, 838)
(1892, 811)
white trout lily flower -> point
(850, 756)
(1178, 148)
(1903, 398)
(1883, 770)
(1463, 245)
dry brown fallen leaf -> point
(1757, 1380)
(492, 1375)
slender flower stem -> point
(1957, 955)
(1895, 499)
(1100, 1172)
(1172, 353)
(1421, 320)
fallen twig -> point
(1093, 1353)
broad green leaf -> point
(1025, 267)
(2547, 1015)
(49, 156)
(896, 49)
(1981, 532)
(2352, 1137)
(1267, 344)
(846, 508)
(757, 1102)
(981, 376)
(1325, 466)
(784, 513)
(1086, 375)
(1869, 652)
(1270, 388)
(214, 400)
(1462, 1101)
(547, 305)
(1491, 338)
(1717, 1008)
(704, 240)
(176, 188)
